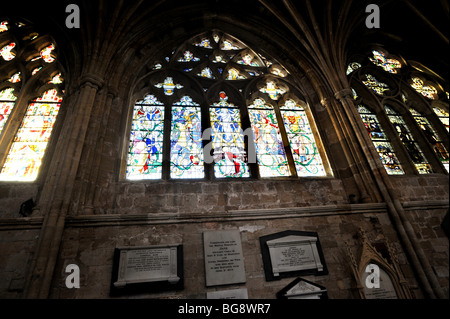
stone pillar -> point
(55, 197)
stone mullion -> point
(56, 194)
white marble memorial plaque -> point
(224, 261)
(147, 264)
(228, 294)
(294, 253)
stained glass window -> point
(7, 53)
(273, 90)
(353, 67)
(46, 53)
(376, 86)
(389, 65)
(432, 138)
(234, 74)
(443, 116)
(186, 153)
(206, 73)
(7, 99)
(26, 153)
(411, 146)
(428, 91)
(168, 86)
(301, 139)
(380, 141)
(188, 56)
(3, 26)
(228, 139)
(270, 152)
(146, 140)
(15, 78)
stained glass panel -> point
(273, 90)
(186, 154)
(270, 152)
(146, 140)
(353, 67)
(376, 86)
(443, 116)
(188, 56)
(46, 53)
(428, 91)
(3, 26)
(234, 74)
(432, 138)
(15, 78)
(6, 52)
(248, 59)
(228, 140)
(7, 99)
(26, 153)
(206, 73)
(301, 139)
(408, 141)
(168, 86)
(380, 141)
(389, 65)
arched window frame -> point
(402, 96)
(40, 71)
(239, 90)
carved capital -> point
(344, 94)
(91, 80)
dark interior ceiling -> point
(417, 29)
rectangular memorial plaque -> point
(228, 294)
(147, 268)
(292, 253)
(224, 261)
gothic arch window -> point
(218, 109)
(30, 97)
(404, 108)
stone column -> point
(56, 194)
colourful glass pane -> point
(380, 59)
(206, 73)
(234, 74)
(26, 153)
(443, 116)
(36, 70)
(15, 78)
(408, 141)
(228, 45)
(380, 141)
(247, 59)
(228, 140)
(6, 52)
(146, 140)
(7, 99)
(186, 154)
(432, 138)
(376, 86)
(168, 86)
(428, 91)
(46, 53)
(3, 26)
(204, 43)
(353, 67)
(301, 139)
(188, 56)
(274, 91)
(270, 152)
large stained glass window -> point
(432, 138)
(301, 139)
(190, 102)
(389, 65)
(228, 139)
(380, 141)
(443, 116)
(411, 146)
(30, 142)
(186, 153)
(7, 99)
(270, 152)
(146, 140)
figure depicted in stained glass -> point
(186, 153)
(389, 65)
(408, 141)
(26, 153)
(228, 139)
(380, 141)
(206, 73)
(269, 145)
(188, 56)
(274, 91)
(146, 140)
(168, 86)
